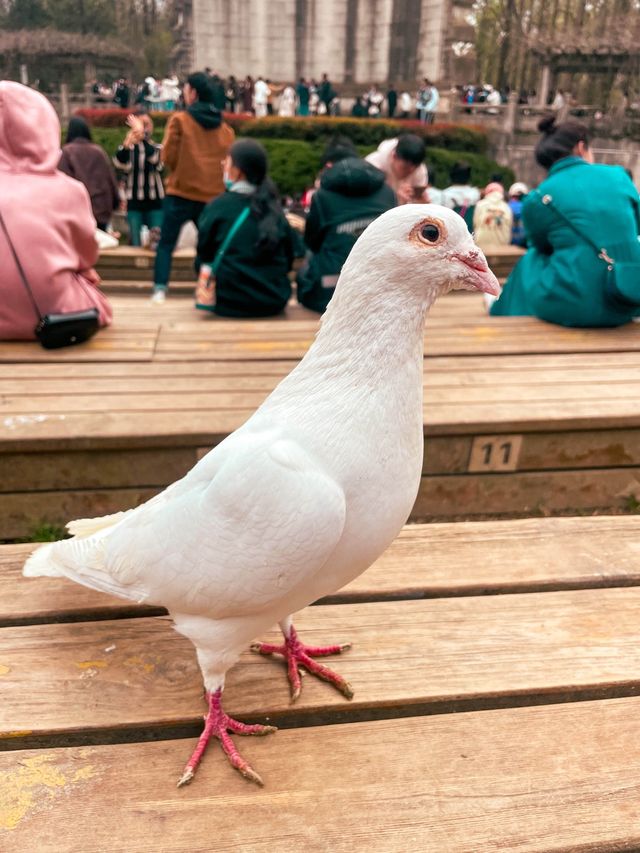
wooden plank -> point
(108, 345)
(440, 497)
(620, 408)
(425, 561)
(40, 379)
(411, 656)
(552, 778)
(131, 262)
(490, 336)
(95, 469)
(144, 466)
(526, 493)
(22, 513)
(206, 424)
(470, 369)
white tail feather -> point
(83, 527)
(41, 564)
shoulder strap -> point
(602, 253)
(20, 268)
(230, 235)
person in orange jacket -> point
(195, 143)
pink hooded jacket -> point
(48, 217)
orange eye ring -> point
(430, 232)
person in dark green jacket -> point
(352, 194)
(580, 209)
(252, 278)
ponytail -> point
(251, 158)
(266, 208)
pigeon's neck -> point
(375, 330)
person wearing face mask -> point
(245, 238)
(139, 158)
(582, 267)
(402, 161)
(195, 142)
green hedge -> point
(294, 164)
(458, 137)
(366, 131)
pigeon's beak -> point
(482, 278)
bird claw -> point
(186, 777)
(298, 655)
(218, 724)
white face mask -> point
(227, 180)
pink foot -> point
(298, 654)
(218, 724)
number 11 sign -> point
(495, 453)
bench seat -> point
(535, 780)
(501, 714)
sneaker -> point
(159, 295)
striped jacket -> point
(142, 166)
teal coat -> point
(561, 279)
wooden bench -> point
(96, 428)
(540, 753)
(129, 270)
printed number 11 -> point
(488, 452)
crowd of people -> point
(246, 245)
(261, 97)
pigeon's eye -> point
(430, 233)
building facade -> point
(354, 41)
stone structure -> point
(354, 41)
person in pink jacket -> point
(48, 218)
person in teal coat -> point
(578, 211)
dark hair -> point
(78, 129)
(338, 148)
(251, 158)
(460, 172)
(201, 84)
(410, 148)
(558, 140)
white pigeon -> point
(309, 491)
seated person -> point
(85, 161)
(492, 218)
(402, 161)
(517, 194)
(48, 220)
(352, 194)
(460, 195)
(579, 218)
(252, 278)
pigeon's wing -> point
(267, 521)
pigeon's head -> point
(427, 248)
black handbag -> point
(57, 330)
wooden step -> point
(425, 561)
(129, 262)
(95, 428)
(433, 656)
(536, 780)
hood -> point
(29, 130)
(494, 197)
(353, 177)
(206, 115)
